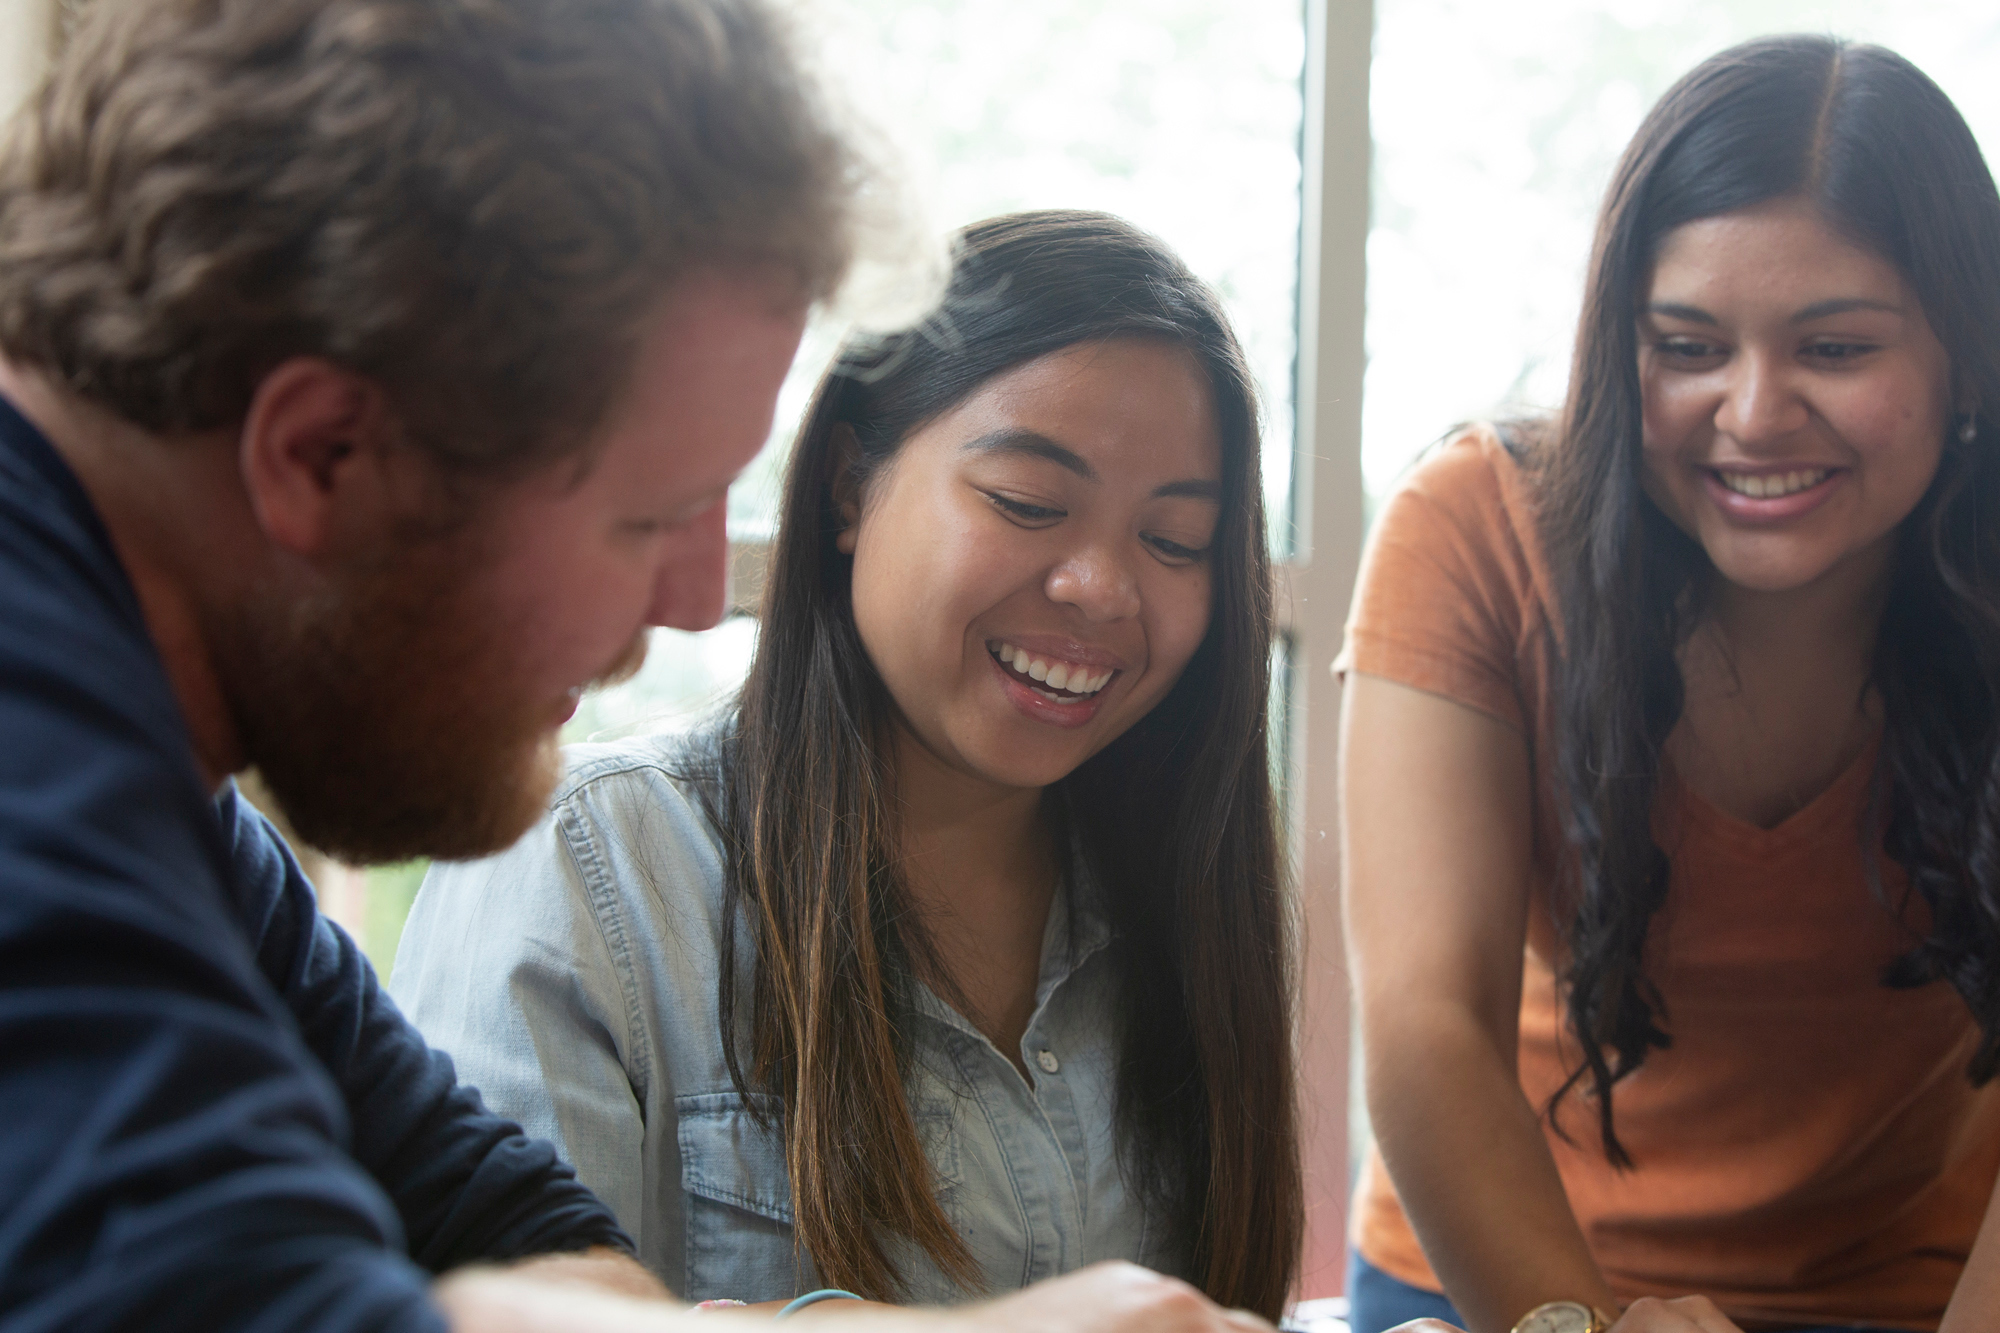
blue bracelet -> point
(814, 1298)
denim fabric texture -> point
(574, 978)
(1377, 1302)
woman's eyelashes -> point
(1687, 351)
(1171, 551)
(1839, 351)
(1023, 512)
(1701, 353)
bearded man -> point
(374, 373)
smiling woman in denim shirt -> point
(956, 955)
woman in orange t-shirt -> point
(1675, 724)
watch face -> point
(1557, 1317)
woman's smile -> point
(1771, 492)
(1054, 681)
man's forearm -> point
(601, 1290)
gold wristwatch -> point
(1565, 1317)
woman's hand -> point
(1105, 1298)
(1683, 1314)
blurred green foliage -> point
(391, 890)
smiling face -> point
(1032, 568)
(412, 708)
(1796, 399)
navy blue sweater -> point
(211, 1117)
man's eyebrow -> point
(1015, 440)
(1692, 314)
(1841, 305)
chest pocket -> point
(738, 1199)
(738, 1202)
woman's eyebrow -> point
(1841, 305)
(1692, 314)
(1019, 440)
(1190, 490)
(1838, 305)
(1016, 440)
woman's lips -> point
(1036, 703)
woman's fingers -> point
(1111, 1298)
(1682, 1314)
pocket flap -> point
(728, 1157)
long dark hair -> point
(1882, 154)
(1176, 818)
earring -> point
(1968, 429)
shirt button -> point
(1047, 1060)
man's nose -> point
(690, 589)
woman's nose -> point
(1759, 402)
(1097, 581)
(691, 585)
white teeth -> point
(1771, 487)
(1071, 678)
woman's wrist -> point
(1565, 1317)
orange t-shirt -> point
(1809, 1148)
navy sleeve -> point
(467, 1184)
(209, 1118)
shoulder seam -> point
(605, 912)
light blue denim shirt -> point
(574, 980)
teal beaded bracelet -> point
(814, 1298)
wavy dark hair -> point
(1176, 818)
(1881, 153)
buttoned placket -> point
(1035, 1119)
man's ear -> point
(846, 486)
(314, 454)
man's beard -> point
(382, 715)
